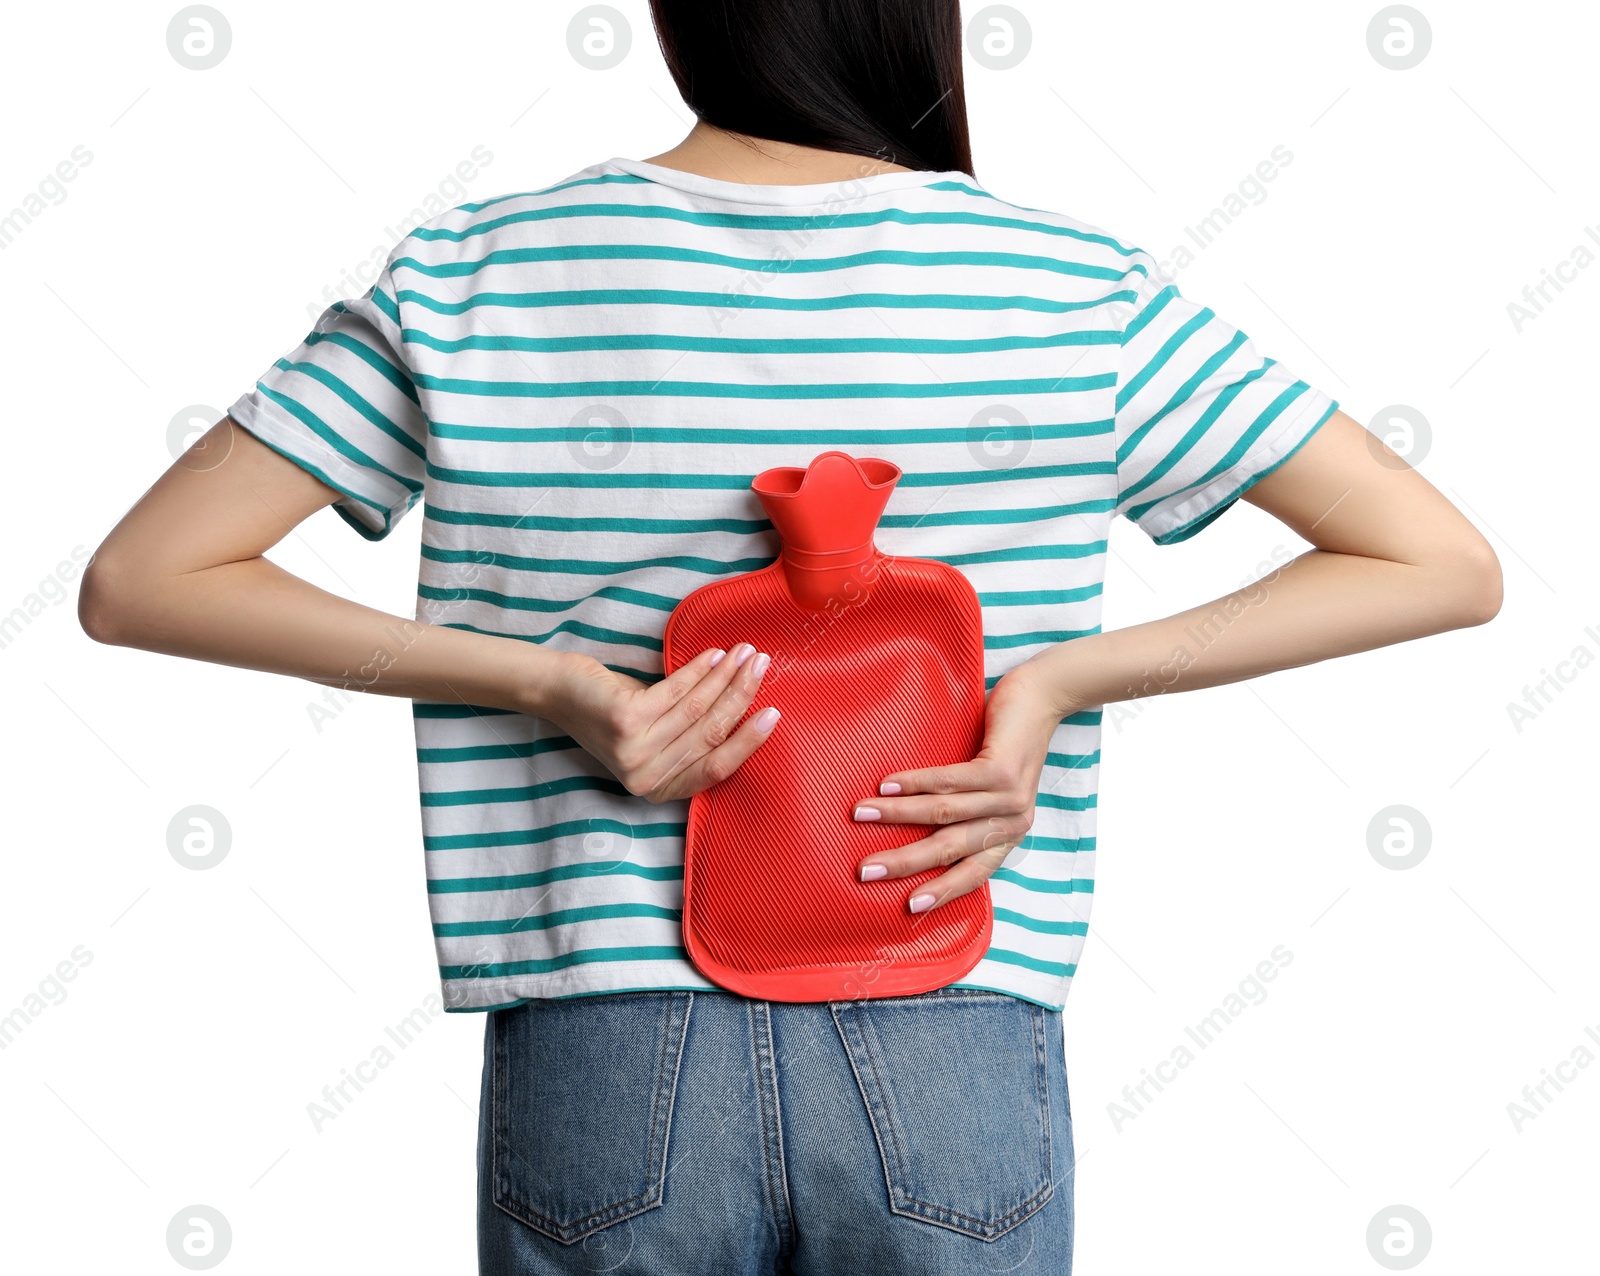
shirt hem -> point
(507, 991)
(258, 417)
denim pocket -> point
(956, 1088)
(582, 1093)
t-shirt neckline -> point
(808, 194)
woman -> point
(579, 384)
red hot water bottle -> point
(877, 667)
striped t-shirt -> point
(579, 383)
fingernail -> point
(888, 788)
(716, 657)
(741, 653)
(868, 813)
(921, 903)
(872, 872)
(767, 719)
(760, 666)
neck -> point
(718, 153)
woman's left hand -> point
(980, 809)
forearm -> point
(1316, 607)
(253, 614)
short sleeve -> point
(1200, 415)
(343, 406)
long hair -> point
(880, 78)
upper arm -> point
(1347, 492)
(229, 497)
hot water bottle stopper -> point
(877, 667)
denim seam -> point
(786, 1228)
(495, 1107)
(665, 1049)
(866, 1097)
(678, 1024)
(782, 1205)
(881, 1089)
(765, 1084)
(1041, 1045)
(756, 1083)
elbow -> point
(104, 612)
(1476, 587)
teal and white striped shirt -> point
(578, 385)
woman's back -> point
(582, 382)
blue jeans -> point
(689, 1133)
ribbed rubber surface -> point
(773, 907)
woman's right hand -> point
(674, 738)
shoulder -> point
(1084, 239)
(467, 225)
(1107, 254)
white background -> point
(216, 1005)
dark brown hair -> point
(868, 77)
